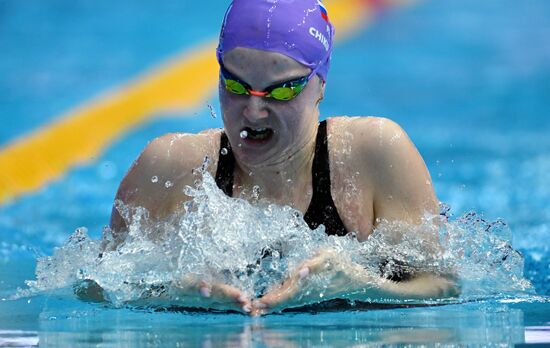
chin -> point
(251, 158)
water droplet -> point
(256, 191)
(212, 111)
(223, 151)
(188, 191)
(154, 179)
(168, 184)
(205, 163)
(243, 134)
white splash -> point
(254, 246)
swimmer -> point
(346, 173)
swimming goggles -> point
(281, 91)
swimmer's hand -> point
(422, 286)
(338, 277)
(199, 293)
(215, 295)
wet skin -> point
(377, 174)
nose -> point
(255, 108)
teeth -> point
(256, 133)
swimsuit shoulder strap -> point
(322, 209)
(226, 166)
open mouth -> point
(257, 134)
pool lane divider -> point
(81, 135)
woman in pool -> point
(347, 173)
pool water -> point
(469, 82)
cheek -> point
(300, 119)
(307, 113)
(304, 107)
(229, 106)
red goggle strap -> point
(257, 94)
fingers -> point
(258, 308)
(442, 287)
(275, 296)
(292, 285)
(280, 294)
(283, 292)
(303, 272)
(233, 294)
(448, 288)
(229, 295)
(204, 289)
(225, 294)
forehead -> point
(262, 67)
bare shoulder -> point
(370, 131)
(389, 164)
(375, 141)
(158, 176)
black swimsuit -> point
(321, 209)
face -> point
(276, 129)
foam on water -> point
(254, 245)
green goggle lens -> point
(235, 87)
(285, 93)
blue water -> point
(469, 81)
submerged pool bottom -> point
(61, 321)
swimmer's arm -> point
(156, 180)
(139, 189)
(198, 294)
(402, 186)
(403, 191)
(327, 276)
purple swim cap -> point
(299, 29)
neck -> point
(287, 181)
